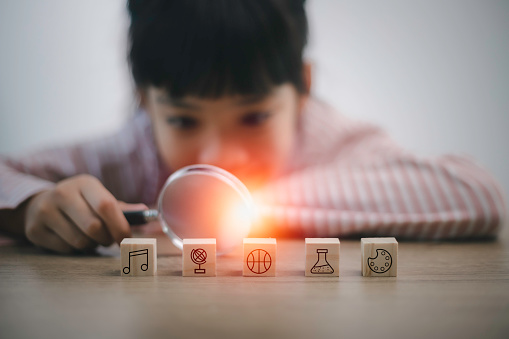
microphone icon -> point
(199, 257)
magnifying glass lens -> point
(203, 201)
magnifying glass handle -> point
(140, 217)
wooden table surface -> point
(443, 290)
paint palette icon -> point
(381, 263)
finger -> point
(77, 210)
(132, 207)
(44, 237)
(104, 204)
(69, 232)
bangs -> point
(214, 48)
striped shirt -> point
(344, 178)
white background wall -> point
(434, 73)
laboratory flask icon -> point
(322, 266)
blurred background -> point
(434, 74)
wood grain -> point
(443, 290)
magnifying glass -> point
(201, 201)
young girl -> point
(224, 83)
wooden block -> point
(259, 257)
(199, 258)
(379, 257)
(138, 257)
(322, 257)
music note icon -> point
(134, 254)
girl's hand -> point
(78, 214)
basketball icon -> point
(259, 261)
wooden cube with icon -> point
(322, 257)
(259, 257)
(379, 257)
(138, 257)
(199, 257)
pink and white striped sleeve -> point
(126, 163)
(352, 179)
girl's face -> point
(251, 137)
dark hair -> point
(209, 48)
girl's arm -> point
(362, 183)
(124, 163)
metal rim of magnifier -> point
(212, 171)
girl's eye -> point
(255, 119)
(182, 122)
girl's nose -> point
(224, 153)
